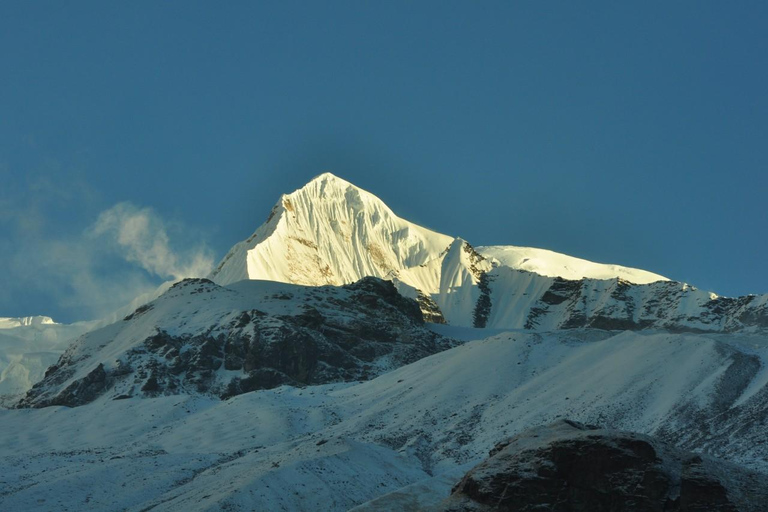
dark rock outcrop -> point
(429, 309)
(573, 467)
(84, 390)
(483, 305)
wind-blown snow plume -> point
(111, 259)
(142, 237)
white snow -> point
(329, 232)
(201, 308)
(336, 446)
(29, 345)
(12, 323)
(553, 264)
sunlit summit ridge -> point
(332, 232)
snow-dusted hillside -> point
(29, 345)
(331, 447)
(199, 337)
(524, 300)
(205, 338)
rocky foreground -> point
(569, 466)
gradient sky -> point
(624, 132)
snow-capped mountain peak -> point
(26, 321)
(332, 232)
(329, 232)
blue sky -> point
(631, 133)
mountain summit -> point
(329, 232)
(332, 232)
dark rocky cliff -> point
(572, 467)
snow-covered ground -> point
(200, 337)
(335, 446)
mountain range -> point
(341, 356)
(331, 232)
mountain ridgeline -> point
(331, 232)
(330, 311)
(335, 287)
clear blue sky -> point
(624, 132)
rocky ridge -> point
(523, 300)
(203, 338)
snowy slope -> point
(451, 281)
(334, 446)
(553, 264)
(29, 345)
(524, 300)
(223, 341)
(199, 337)
(329, 232)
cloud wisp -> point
(126, 253)
(141, 237)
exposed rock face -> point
(429, 309)
(525, 300)
(568, 466)
(203, 338)
(483, 306)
